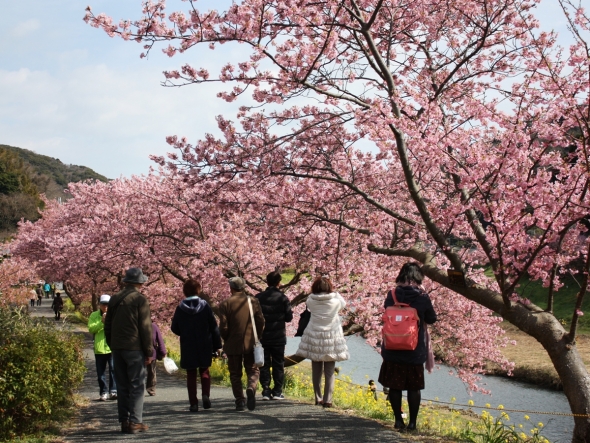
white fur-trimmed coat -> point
(323, 339)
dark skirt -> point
(402, 377)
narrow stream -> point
(365, 362)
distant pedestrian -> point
(128, 331)
(33, 297)
(39, 292)
(52, 289)
(323, 339)
(158, 354)
(57, 305)
(404, 370)
(276, 309)
(102, 353)
(199, 335)
(46, 289)
(237, 331)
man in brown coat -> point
(128, 332)
(236, 330)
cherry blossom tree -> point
(452, 133)
(176, 230)
(17, 279)
(171, 233)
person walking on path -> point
(39, 292)
(158, 354)
(195, 323)
(102, 353)
(323, 339)
(276, 310)
(237, 333)
(46, 289)
(57, 305)
(128, 331)
(33, 297)
(404, 370)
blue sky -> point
(69, 91)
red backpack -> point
(400, 326)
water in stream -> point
(365, 362)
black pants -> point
(274, 356)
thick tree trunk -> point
(575, 379)
(566, 359)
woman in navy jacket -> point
(199, 335)
(404, 370)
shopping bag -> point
(258, 355)
(169, 365)
(258, 350)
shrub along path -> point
(169, 419)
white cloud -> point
(107, 119)
(25, 28)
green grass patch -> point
(72, 314)
(564, 300)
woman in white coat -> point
(323, 340)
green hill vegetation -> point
(24, 175)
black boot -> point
(414, 398)
(395, 399)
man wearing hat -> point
(128, 330)
(236, 330)
(102, 352)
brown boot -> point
(134, 428)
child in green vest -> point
(102, 352)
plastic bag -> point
(169, 365)
(258, 355)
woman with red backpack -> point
(403, 370)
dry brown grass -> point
(532, 362)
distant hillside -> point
(24, 175)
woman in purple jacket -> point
(158, 354)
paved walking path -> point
(170, 421)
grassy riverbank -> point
(533, 365)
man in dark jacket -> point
(128, 332)
(276, 309)
(235, 327)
